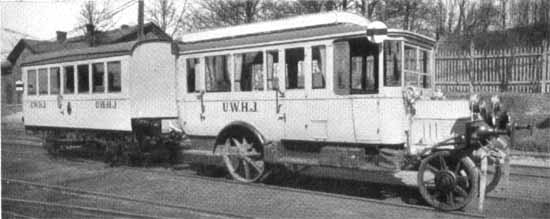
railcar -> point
(102, 95)
(332, 91)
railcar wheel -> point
(242, 160)
(446, 182)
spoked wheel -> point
(242, 160)
(446, 182)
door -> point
(366, 119)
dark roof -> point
(295, 34)
(68, 55)
(124, 34)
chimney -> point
(90, 34)
(61, 36)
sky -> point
(41, 18)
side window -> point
(272, 67)
(43, 81)
(217, 73)
(68, 76)
(31, 82)
(392, 63)
(249, 71)
(192, 65)
(55, 80)
(294, 68)
(318, 67)
(83, 78)
(98, 77)
(113, 76)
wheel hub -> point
(445, 180)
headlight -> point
(474, 103)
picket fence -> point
(520, 69)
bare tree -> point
(100, 16)
(167, 16)
(216, 13)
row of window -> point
(46, 81)
(249, 74)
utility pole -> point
(140, 20)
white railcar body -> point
(308, 113)
(100, 88)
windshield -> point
(417, 66)
(416, 69)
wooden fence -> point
(522, 70)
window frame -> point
(108, 85)
(74, 65)
(39, 87)
(429, 70)
(74, 88)
(229, 64)
(280, 74)
(50, 74)
(35, 83)
(92, 87)
(85, 66)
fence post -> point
(545, 64)
(471, 73)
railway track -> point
(39, 208)
(91, 198)
(304, 191)
(189, 174)
(516, 169)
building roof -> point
(123, 34)
(69, 55)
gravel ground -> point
(246, 200)
(523, 197)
